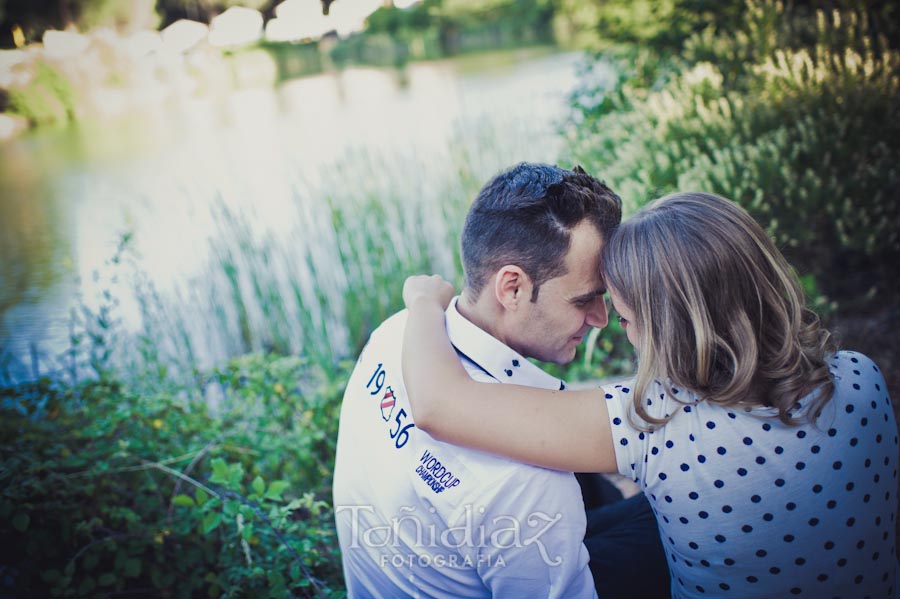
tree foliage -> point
(36, 16)
(204, 10)
(794, 114)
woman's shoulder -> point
(853, 370)
(847, 358)
(860, 392)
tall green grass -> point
(319, 285)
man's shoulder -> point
(392, 324)
(388, 335)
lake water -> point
(165, 178)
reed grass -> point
(318, 287)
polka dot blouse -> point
(750, 507)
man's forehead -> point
(582, 278)
(588, 295)
(576, 286)
(585, 247)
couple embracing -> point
(767, 460)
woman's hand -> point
(430, 288)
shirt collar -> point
(493, 356)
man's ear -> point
(512, 286)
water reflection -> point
(35, 241)
(272, 161)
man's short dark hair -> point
(525, 215)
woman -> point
(770, 461)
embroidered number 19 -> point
(377, 378)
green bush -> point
(294, 59)
(807, 139)
(47, 99)
(107, 491)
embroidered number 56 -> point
(401, 434)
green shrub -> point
(294, 59)
(106, 492)
(807, 139)
(47, 99)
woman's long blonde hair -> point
(718, 309)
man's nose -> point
(598, 315)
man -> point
(417, 517)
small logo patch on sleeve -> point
(435, 474)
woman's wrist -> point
(426, 303)
(427, 289)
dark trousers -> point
(622, 539)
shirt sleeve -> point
(630, 442)
(530, 537)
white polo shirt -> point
(420, 518)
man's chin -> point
(563, 358)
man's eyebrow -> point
(590, 295)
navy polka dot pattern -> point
(771, 510)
